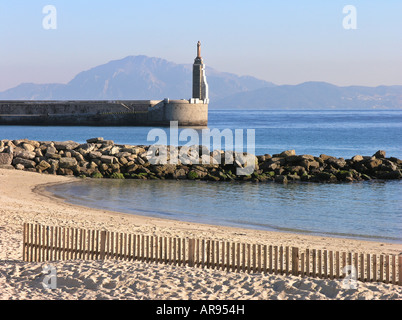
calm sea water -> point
(366, 210)
(336, 133)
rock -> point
(396, 161)
(143, 170)
(25, 154)
(24, 162)
(95, 140)
(53, 156)
(299, 158)
(28, 147)
(34, 144)
(123, 161)
(132, 168)
(6, 158)
(38, 153)
(387, 166)
(140, 161)
(325, 157)
(293, 177)
(77, 155)
(309, 165)
(344, 174)
(114, 150)
(396, 174)
(94, 155)
(43, 165)
(192, 175)
(19, 166)
(106, 142)
(67, 163)
(66, 145)
(357, 158)
(123, 154)
(281, 179)
(51, 150)
(336, 163)
(326, 176)
(373, 164)
(287, 153)
(65, 172)
(103, 167)
(180, 174)
(380, 154)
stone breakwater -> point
(99, 158)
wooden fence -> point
(47, 243)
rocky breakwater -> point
(99, 158)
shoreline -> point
(23, 199)
(42, 190)
(38, 189)
(248, 226)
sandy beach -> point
(23, 199)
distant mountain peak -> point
(135, 77)
(142, 77)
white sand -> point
(136, 280)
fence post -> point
(102, 244)
(400, 270)
(295, 261)
(191, 252)
(24, 240)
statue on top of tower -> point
(199, 49)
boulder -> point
(67, 163)
(380, 154)
(24, 162)
(66, 145)
(373, 164)
(94, 155)
(396, 174)
(108, 159)
(19, 166)
(287, 153)
(28, 147)
(336, 163)
(24, 154)
(6, 158)
(357, 158)
(326, 176)
(51, 150)
(326, 157)
(43, 165)
(106, 142)
(95, 140)
(180, 174)
(299, 158)
(281, 179)
(114, 150)
(308, 165)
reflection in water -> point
(369, 210)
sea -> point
(370, 210)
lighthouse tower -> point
(200, 85)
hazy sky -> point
(286, 42)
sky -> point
(285, 42)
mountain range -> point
(149, 78)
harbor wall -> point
(104, 113)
